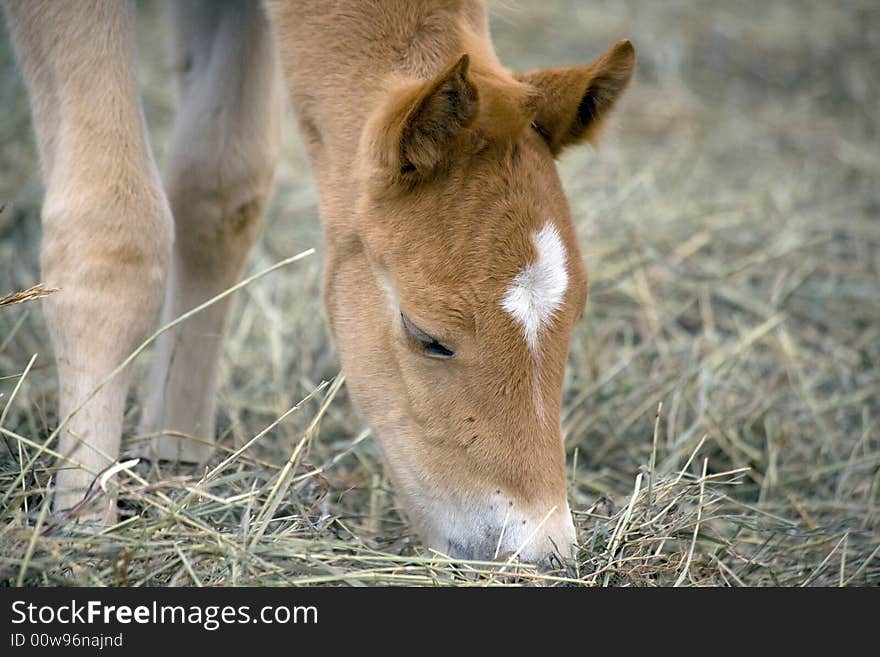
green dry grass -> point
(731, 225)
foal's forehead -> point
(535, 293)
(500, 247)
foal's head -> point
(454, 297)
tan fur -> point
(107, 228)
(435, 167)
(109, 241)
(432, 183)
(225, 146)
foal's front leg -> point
(107, 229)
(225, 146)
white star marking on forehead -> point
(536, 292)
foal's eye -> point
(429, 344)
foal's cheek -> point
(373, 357)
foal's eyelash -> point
(431, 345)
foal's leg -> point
(225, 146)
(107, 229)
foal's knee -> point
(106, 247)
(218, 200)
(227, 135)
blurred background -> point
(730, 224)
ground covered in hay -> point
(722, 406)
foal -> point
(453, 277)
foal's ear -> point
(426, 118)
(575, 101)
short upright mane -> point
(507, 106)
